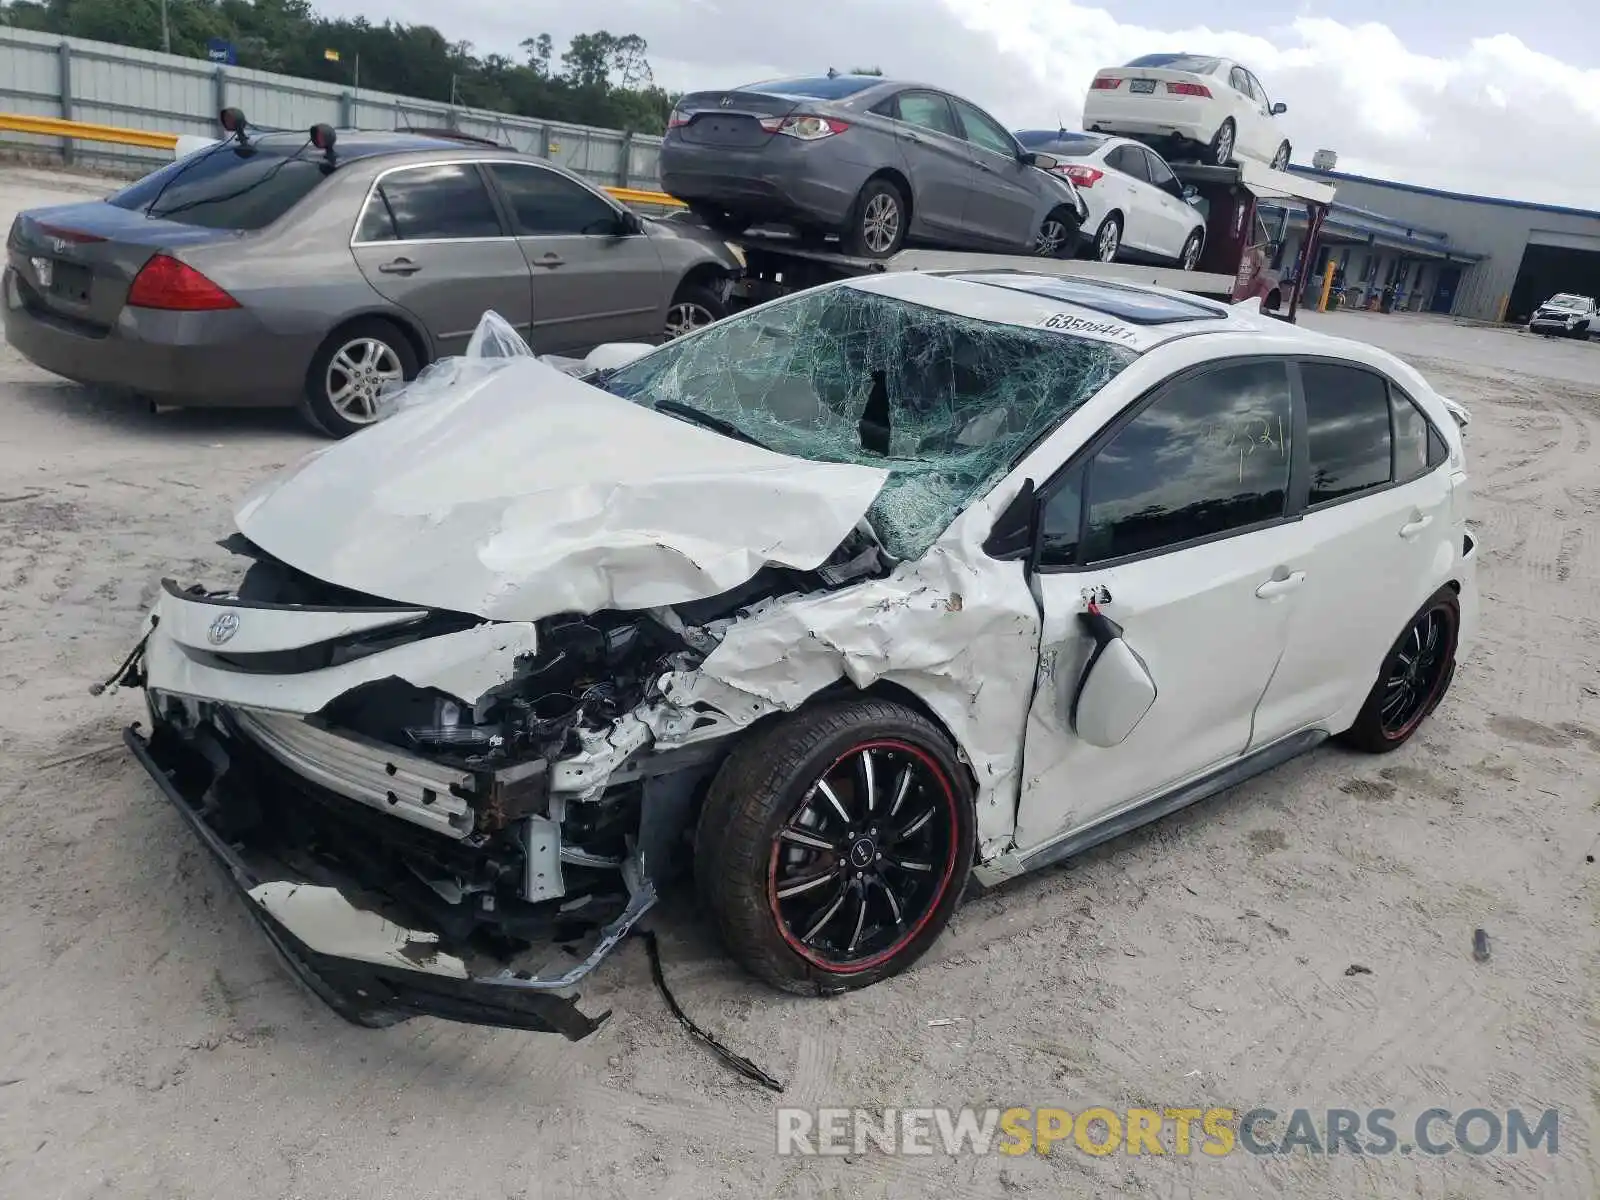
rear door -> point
(1129, 179)
(596, 278)
(431, 240)
(1376, 522)
(1245, 110)
(1005, 207)
(936, 158)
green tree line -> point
(600, 79)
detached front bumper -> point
(371, 962)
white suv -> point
(1189, 106)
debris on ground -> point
(1480, 946)
(1357, 969)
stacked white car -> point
(1190, 106)
(1137, 207)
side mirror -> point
(631, 223)
(1045, 162)
(1116, 689)
(613, 356)
(1279, 109)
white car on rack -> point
(1189, 106)
(1137, 206)
(845, 599)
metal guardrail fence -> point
(164, 95)
(80, 131)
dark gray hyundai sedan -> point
(876, 161)
(266, 270)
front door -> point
(936, 159)
(1376, 517)
(431, 241)
(1444, 291)
(596, 276)
(1005, 207)
(1175, 524)
(1175, 216)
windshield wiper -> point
(705, 419)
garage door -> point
(1566, 241)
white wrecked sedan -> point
(845, 600)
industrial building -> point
(1445, 252)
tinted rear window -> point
(1060, 142)
(820, 88)
(224, 188)
(1178, 62)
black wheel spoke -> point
(902, 788)
(800, 885)
(907, 864)
(833, 800)
(861, 921)
(827, 915)
(912, 827)
(811, 841)
(869, 782)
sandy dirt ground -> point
(152, 1046)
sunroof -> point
(1114, 299)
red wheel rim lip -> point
(1436, 692)
(905, 939)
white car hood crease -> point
(528, 493)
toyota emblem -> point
(223, 628)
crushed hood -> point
(524, 493)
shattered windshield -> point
(1574, 303)
(946, 403)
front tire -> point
(1280, 160)
(1057, 236)
(350, 370)
(833, 849)
(694, 306)
(1415, 675)
(877, 221)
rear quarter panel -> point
(298, 276)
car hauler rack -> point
(1233, 264)
(1228, 197)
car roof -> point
(1137, 316)
(356, 144)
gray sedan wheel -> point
(878, 221)
(693, 307)
(350, 372)
(1057, 237)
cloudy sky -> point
(1489, 97)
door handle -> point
(550, 260)
(400, 266)
(1273, 588)
(985, 167)
(1411, 528)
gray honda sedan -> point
(878, 162)
(282, 269)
